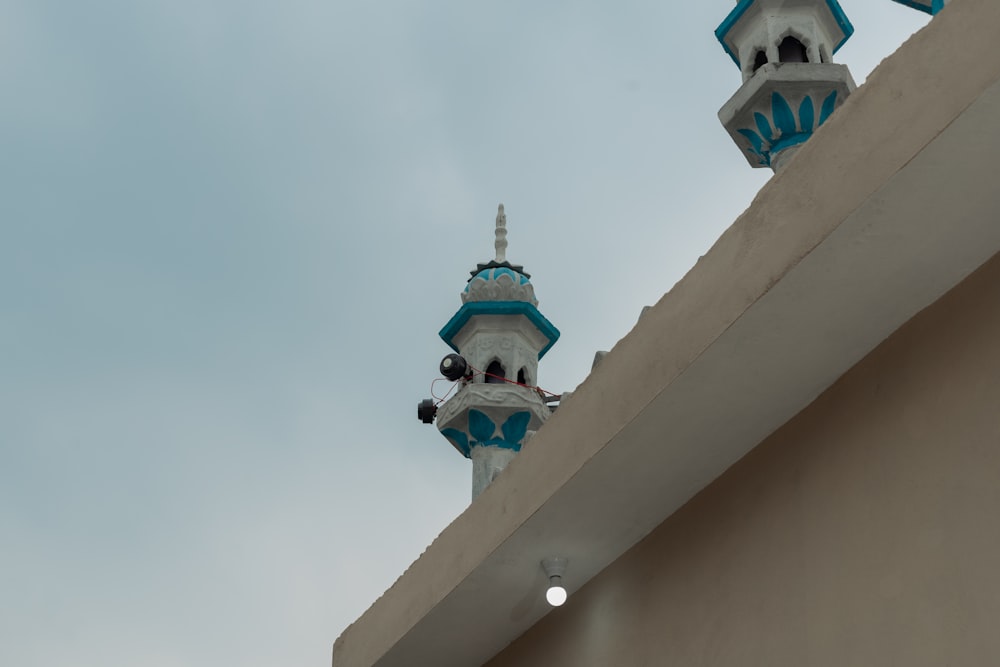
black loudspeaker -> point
(426, 411)
(454, 367)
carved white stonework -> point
(510, 339)
(502, 288)
(762, 25)
(504, 395)
(799, 22)
(496, 401)
(501, 235)
(452, 414)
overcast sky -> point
(229, 233)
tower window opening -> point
(522, 377)
(495, 374)
(792, 50)
(759, 60)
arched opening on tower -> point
(495, 373)
(792, 50)
(522, 377)
(759, 60)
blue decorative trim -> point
(483, 432)
(807, 114)
(743, 5)
(928, 7)
(459, 439)
(473, 308)
(481, 427)
(790, 129)
(829, 104)
(516, 427)
(789, 141)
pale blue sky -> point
(230, 233)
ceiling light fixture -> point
(554, 570)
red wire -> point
(445, 397)
(519, 384)
(454, 385)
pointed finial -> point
(501, 242)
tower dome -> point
(499, 283)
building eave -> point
(927, 6)
(451, 330)
(887, 207)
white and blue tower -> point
(791, 86)
(498, 335)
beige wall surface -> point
(865, 532)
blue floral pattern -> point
(785, 128)
(483, 432)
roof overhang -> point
(928, 6)
(891, 204)
(477, 308)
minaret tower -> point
(784, 50)
(499, 336)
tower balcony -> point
(491, 415)
(781, 106)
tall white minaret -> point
(784, 50)
(499, 335)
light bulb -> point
(554, 569)
(556, 595)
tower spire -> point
(501, 235)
